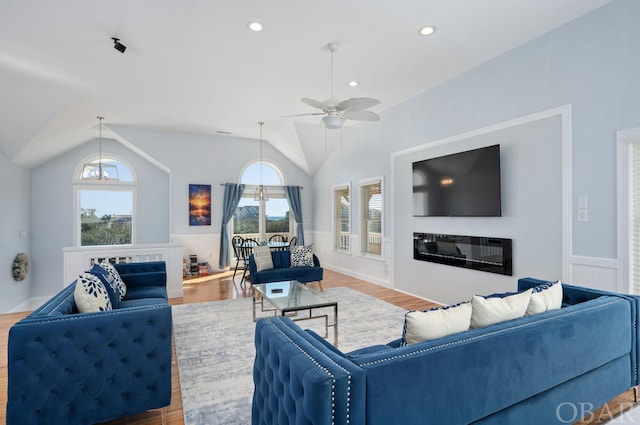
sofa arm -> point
(87, 368)
(299, 380)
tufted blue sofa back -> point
(66, 367)
(283, 271)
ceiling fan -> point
(335, 111)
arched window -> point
(260, 219)
(104, 208)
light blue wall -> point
(201, 159)
(15, 216)
(591, 64)
(162, 197)
(53, 209)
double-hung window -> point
(371, 217)
(105, 212)
(342, 218)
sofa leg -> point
(635, 394)
(320, 285)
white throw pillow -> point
(302, 256)
(436, 323)
(90, 294)
(487, 311)
(544, 298)
(262, 257)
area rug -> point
(214, 345)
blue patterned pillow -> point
(109, 283)
(90, 294)
(302, 256)
(122, 287)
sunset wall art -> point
(199, 205)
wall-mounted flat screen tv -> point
(463, 184)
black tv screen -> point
(464, 184)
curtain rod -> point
(268, 185)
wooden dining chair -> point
(293, 242)
(278, 239)
(237, 242)
(246, 249)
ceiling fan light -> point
(428, 30)
(333, 121)
(255, 26)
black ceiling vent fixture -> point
(118, 46)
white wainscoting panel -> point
(371, 269)
(206, 246)
(592, 272)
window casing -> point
(342, 218)
(105, 210)
(634, 218)
(371, 217)
(261, 219)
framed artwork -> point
(199, 205)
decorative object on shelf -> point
(199, 205)
(20, 267)
(100, 170)
(261, 192)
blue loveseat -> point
(534, 370)
(282, 270)
(66, 367)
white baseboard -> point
(30, 304)
(357, 275)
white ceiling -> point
(193, 66)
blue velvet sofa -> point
(66, 367)
(282, 270)
(533, 370)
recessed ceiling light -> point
(353, 83)
(428, 30)
(255, 26)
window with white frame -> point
(105, 208)
(371, 217)
(342, 218)
(634, 218)
(261, 219)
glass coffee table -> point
(288, 298)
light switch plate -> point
(583, 216)
(583, 202)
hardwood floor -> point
(221, 287)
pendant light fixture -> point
(99, 170)
(261, 191)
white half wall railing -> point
(80, 259)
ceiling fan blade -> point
(357, 104)
(315, 103)
(304, 115)
(361, 115)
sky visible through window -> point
(275, 207)
(109, 201)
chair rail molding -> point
(79, 259)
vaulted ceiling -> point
(194, 66)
